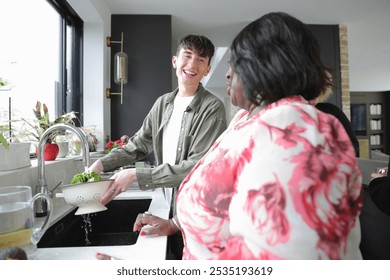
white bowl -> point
(86, 196)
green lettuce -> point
(86, 177)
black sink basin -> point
(112, 227)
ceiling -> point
(368, 25)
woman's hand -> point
(104, 257)
(123, 180)
(157, 225)
(379, 173)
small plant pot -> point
(17, 156)
(63, 149)
(50, 152)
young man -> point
(179, 129)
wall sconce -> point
(120, 68)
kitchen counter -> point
(62, 170)
(146, 247)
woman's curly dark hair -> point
(277, 56)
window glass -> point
(30, 58)
(359, 119)
(40, 60)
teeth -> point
(190, 73)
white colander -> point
(86, 196)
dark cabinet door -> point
(147, 43)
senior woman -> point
(282, 182)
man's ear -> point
(208, 71)
(174, 59)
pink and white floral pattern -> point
(284, 184)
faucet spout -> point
(41, 208)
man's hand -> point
(123, 180)
(97, 166)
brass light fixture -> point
(120, 68)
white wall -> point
(96, 114)
(97, 26)
(213, 81)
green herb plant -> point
(4, 142)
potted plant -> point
(13, 155)
(4, 142)
(38, 126)
(117, 143)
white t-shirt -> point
(172, 130)
(171, 135)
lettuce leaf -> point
(86, 177)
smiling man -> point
(178, 130)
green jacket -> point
(202, 123)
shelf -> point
(376, 147)
(369, 120)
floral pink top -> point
(284, 184)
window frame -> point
(70, 99)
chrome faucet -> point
(41, 206)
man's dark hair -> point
(199, 44)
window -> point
(40, 58)
(358, 119)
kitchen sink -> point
(111, 227)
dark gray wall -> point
(147, 42)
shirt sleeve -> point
(138, 147)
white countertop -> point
(146, 248)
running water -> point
(87, 228)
